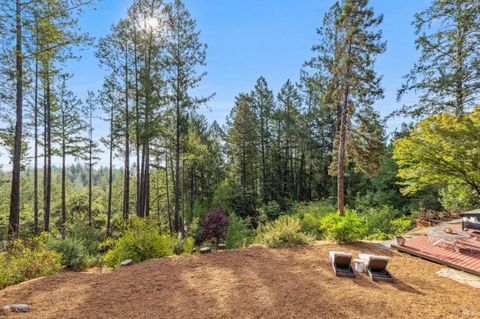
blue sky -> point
(250, 38)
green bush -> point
(140, 241)
(311, 224)
(238, 233)
(386, 222)
(27, 259)
(184, 246)
(311, 214)
(400, 225)
(90, 237)
(195, 231)
(458, 197)
(286, 231)
(271, 210)
(346, 228)
(74, 255)
(318, 209)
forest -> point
(311, 161)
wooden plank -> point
(425, 255)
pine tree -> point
(91, 148)
(184, 55)
(71, 126)
(355, 80)
(288, 115)
(446, 76)
(242, 150)
(108, 98)
(264, 105)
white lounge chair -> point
(341, 264)
(376, 267)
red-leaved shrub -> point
(215, 225)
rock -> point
(221, 247)
(5, 309)
(20, 307)
(126, 262)
(205, 250)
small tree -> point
(215, 226)
(441, 149)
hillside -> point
(249, 283)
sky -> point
(251, 38)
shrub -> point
(458, 197)
(386, 222)
(90, 237)
(194, 230)
(318, 209)
(27, 259)
(311, 224)
(238, 234)
(346, 228)
(271, 210)
(400, 225)
(310, 215)
(286, 231)
(184, 246)
(74, 255)
(215, 225)
(140, 241)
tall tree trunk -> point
(45, 151)
(459, 64)
(157, 185)
(126, 184)
(343, 138)
(90, 168)
(35, 136)
(147, 181)
(14, 218)
(192, 198)
(244, 170)
(169, 210)
(262, 145)
(48, 180)
(110, 176)
(341, 164)
(64, 200)
(177, 166)
(137, 125)
(141, 198)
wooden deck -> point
(420, 247)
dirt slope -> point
(249, 283)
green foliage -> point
(400, 225)
(346, 228)
(238, 233)
(318, 209)
(223, 195)
(386, 222)
(378, 219)
(458, 197)
(271, 210)
(286, 231)
(140, 241)
(184, 246)
(441, 149)
(311, 214)
(27, 259)
(74, 254)
(90, 237)
(195, 231)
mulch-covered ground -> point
(249, 283)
